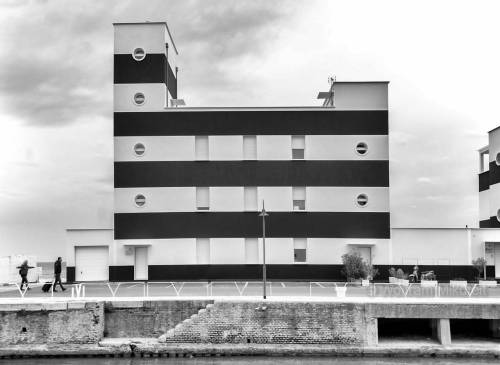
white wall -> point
(430, 246)
(225, 251)
(228, 198)
(87, 237)
(343, 199)
(158, 148)
(170, 199)
(276, 198)
(493, 199)
(343, 147)
(155, 97)
(360, 95)
(225, 148)
(274, 147)
(150, 37)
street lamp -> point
(263, 214)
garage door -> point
(91, 263)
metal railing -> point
(151, 289)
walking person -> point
(57, 274)
(23, 271)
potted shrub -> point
(392, 276)
(402, 277)
(370, 273)
(458, 283)
(354, 266)
(428, 278)
(480, 266)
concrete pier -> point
(245, 326)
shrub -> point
(392, 272)
(480, 265)
(400, 274)
(354, 266)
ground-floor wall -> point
(449, 252)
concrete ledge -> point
(146, 348)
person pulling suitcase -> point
(57, 274)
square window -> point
(300, 250)
(299, 197)
(297, 154)
(299, 255)
(298, 147)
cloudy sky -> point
(441, 58)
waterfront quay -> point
(230, 326)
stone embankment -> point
(228, 327)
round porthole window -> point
(139, 54)
(139, 99)
(361, 148)
(497, 159)
(362, 200)
(139, 149)
(140, 200)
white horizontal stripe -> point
(155, 97)
(276, 147)
(182, 251)
(318, 199)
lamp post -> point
(263, 214)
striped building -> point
(189, 182)
(489, 181)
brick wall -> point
(147, 318)
(51, 323)
(292, 323)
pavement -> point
(177, 290)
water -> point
(251, 361)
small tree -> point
(480, 265)
(354, 266)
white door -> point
(91, 263)
(141, 263)
(366, 253)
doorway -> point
(141, 263)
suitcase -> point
(46, 287)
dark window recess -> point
(299, 205)
(470, 328)
(299, 255)
(202, 208)
(298, 154)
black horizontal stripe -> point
(249, 224)
(493, 223)
(251, 173)
(299, 272)
(494, 173)
(153, 69)
(484, 223)
(484, 181)
(251, 122)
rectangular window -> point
(300, 250)
(251, 250)
(249, 147)
(299, 197)
(202, 198)
(203, 251)
(250, 193)
(201, 147)
(298, 147)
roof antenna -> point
(329, 97)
